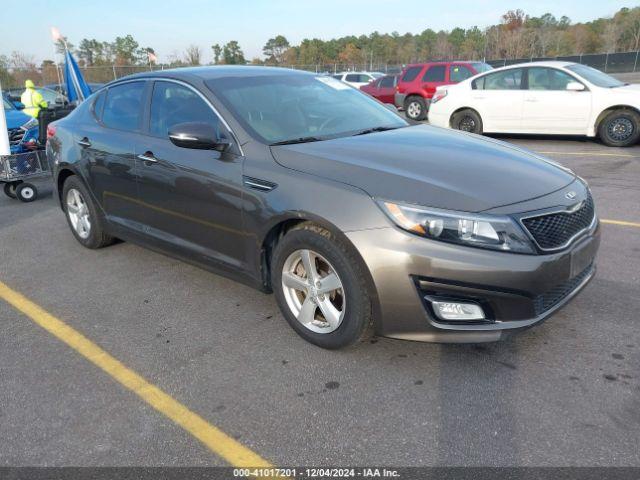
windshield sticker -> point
(333, 83)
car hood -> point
(15, 118)
(430, 166)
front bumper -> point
(398, 99)
(515, 291)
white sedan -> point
(358, 79)
(542, 98)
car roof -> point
(444, 62)
(212, 72)
(548, 63)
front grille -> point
(555, 295)
(556, 229)
(15, 136)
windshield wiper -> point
(373, 130)
(298, 140)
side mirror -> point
(19, 105)
(198, 135)
(575, 87)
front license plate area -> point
(581, 258)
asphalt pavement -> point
(564, 393)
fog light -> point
(457, 311)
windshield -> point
(7, 104)
(481, 67)
(596, 77)
(279, 108)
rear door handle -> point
(84, 142)
(148, 157)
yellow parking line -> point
(621, 222)
(591, 154)
(216, 440)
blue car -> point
(23, 129)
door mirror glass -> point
(197, 135)
(575, 86)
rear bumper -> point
(515, 291)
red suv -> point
(417, 83)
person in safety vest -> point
(32, 100)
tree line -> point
(516, 35)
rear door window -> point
(435, 73)
(387, 82)
(458, 73)
(411, 74)
(505, 80)
(123, 106)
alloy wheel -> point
(313, 291)
(414, 109)
(78, 213)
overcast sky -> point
(169, 27)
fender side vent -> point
(258, 184)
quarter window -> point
(123, 106)
(411, 74)
(548, 79)
(98, 104)
(434, 74)
(172, 103)
(505, 80)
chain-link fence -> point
(622, 62)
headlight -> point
(484, 231)
(30, 124)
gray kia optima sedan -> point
(299, 184)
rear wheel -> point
(83, 218)
(415, 108)
(620, 128)
(468, 121)
(10, 190)
(320, 288)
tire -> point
(330, 254)
(10, 190)
(415, 108)
(467, 121)
(26, 192)
(620, 128)
(79, 208)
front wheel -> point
(320, 287)
(468, 121)
(620, 128)
(26, 192)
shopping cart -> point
(16, 169)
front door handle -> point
(148, 157)
(84, 142)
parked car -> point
(383, 88)
(418, 83)
(357, 79)
(50, 96)
(298, 184)
(552, 98)
(62, 88)
(22, 128)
